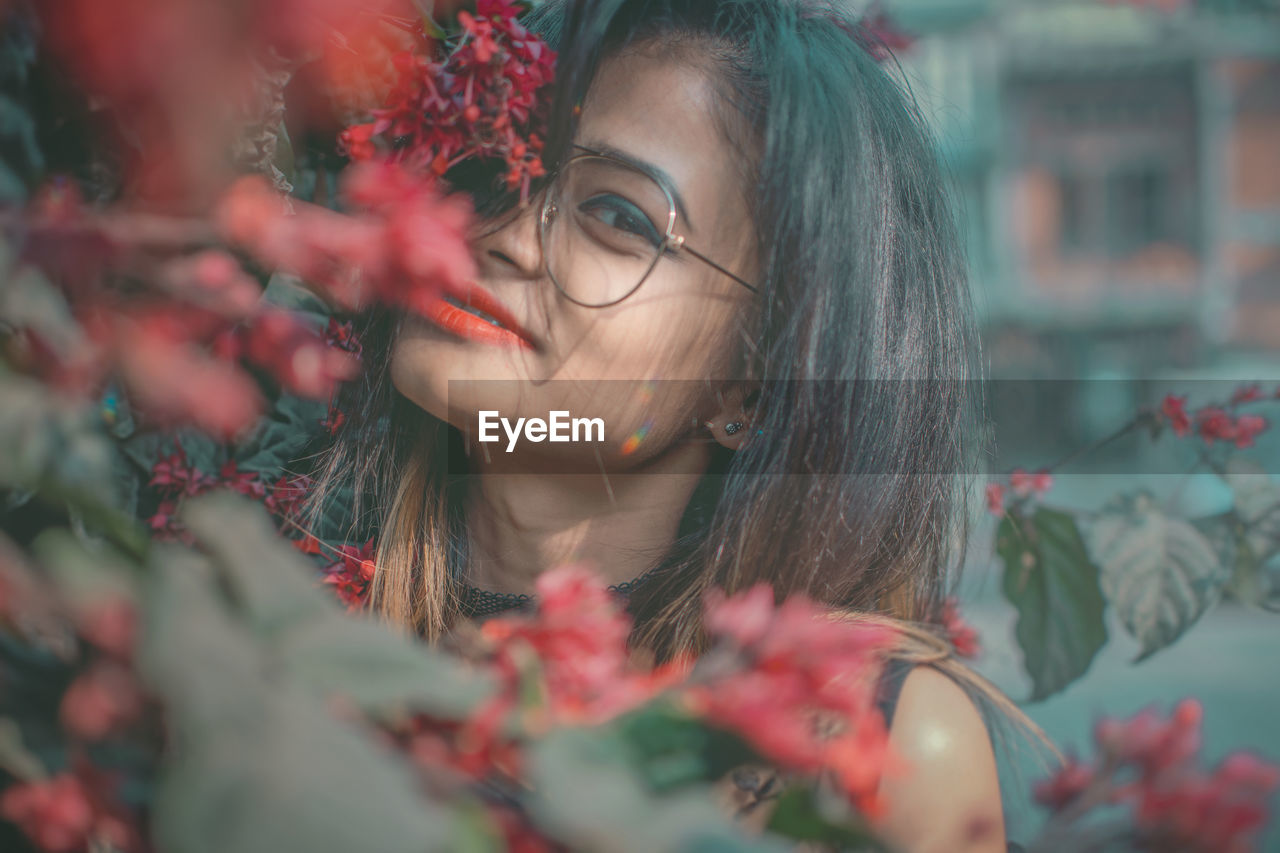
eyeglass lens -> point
(603, 229)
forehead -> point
(665, 113)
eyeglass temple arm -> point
(681, 244)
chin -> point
(425, 360)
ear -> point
(731, 425)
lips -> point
(476, 315)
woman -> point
(746, 268)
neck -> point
(620, 525)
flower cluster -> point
(1217, 423)
(350, 574)
(279, 342)
(403, 245)
(174, 478)
(794, 681)
(1022, 484)
(1148, 763)
(70, 812)
(800, 663)
(180, 346)
(483, 100)
(962, 636)
(152, 304)
(566, 664)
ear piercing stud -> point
(732, 427)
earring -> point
(731, 428)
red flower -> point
(962, 636)
(1175, 410)
(287, 495)
(1151, 743)
(308, 544)
(73, 811)
(805, 667)
(1246, 394)
(351, 574)
(165, 520)
(403, 245)
(111, 625)
(1215, 424)
(333, 421)
(1148, 764)
(296, 355)
(579, 634)
(481, 34)
(1024, 484)
(1247, 428)
(484, 100)
(1062, 789)
(743, 618)
(342, 336)
(995, 499)
(57, 815)
(247, 483)
(357, 141)
(213, 280)
(176, 475)
(100, 701)
(176, 383)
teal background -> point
(1118, 166)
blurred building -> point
(1120, 168)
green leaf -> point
(671, 748)
(274, 586)
(1257, 502)
(281, 437)
(800, 815)
(288, 292)
(585, 794)
(311, 638)
(47, 439)
(258, 766)
(86, 573)
(144, 449)
(381, 672)
(1160, 573)
(18, 134)
(28, 300)
(15, 759)
(1050, 580)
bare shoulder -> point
(947, 798)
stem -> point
(119, 529)
(1129, 427)
(1082, 839)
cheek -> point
(453, 379)
(412, 376)
(657, 335)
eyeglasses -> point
(604, 226)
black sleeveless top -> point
(889, 688)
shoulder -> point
(947, 794)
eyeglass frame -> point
(670, 241)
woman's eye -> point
(618, 213)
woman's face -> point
(683, 323)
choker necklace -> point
(477, 603)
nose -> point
(510, 248)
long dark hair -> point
(862, 340)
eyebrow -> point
(653, 171)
